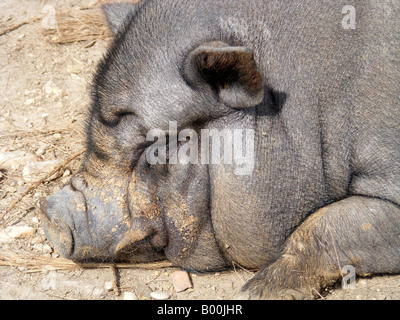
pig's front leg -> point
(361, 232)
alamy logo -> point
(349, 20)
(349, 280)
(49, 20)
(237, 148)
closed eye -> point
(112, 119)
(123, 113)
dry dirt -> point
(44, 96)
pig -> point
(312, 88)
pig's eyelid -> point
(121, 114)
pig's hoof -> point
(256, 289)
(288, 294)
(259, 294)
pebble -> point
(51, 89)
(108, 286)
(181, 280)
(57, 136)
(66, 173)
(29, 101)
(157, 295)
(42, 149)
(130, 296)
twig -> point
(115, 281)
(249, 271)
(32, 132)
(242, 278)
(37, 263)
(321, 297)
(3, 32)
(38, 183)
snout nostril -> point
(158, 239)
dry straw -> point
(33, 263)
(77, 25)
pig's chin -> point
(140, 252)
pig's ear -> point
(231, 71)
(118, 15)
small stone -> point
(181, 280)
(51, 89)
(130, 296)
(157, 295)
(66, 173)
(42, 149)
(108, 286)
(57, 136)
(29, 101)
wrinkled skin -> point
(323, 102)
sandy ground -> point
(43, 100)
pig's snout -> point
(58, 221)
(83, 222)
(76, 227)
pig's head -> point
(160, 68)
